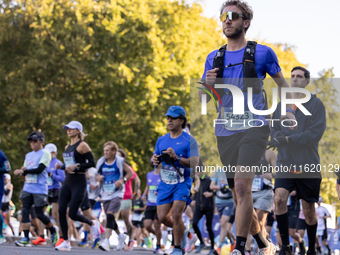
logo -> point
(238, 99)
(178, 143)
(149, 180)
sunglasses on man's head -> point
(230, 15)
(33, 140)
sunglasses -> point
(171, 118)
(230, 15)
(33, 140)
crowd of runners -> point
(177, 196)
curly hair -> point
(247, 11)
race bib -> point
(109, 186)
(69, 159)
(152, 197)
(31, 178)
(236, 121)
(49, 181)
(137, 217)
(289, 201)
(257, 184)
(168, 174)
(7, 166)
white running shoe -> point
(105, 245)
(64, 246)
(235, 252)
(121, 239)
(95, 229)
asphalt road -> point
(11, 248)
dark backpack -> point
(249, 70)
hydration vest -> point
(249, 70)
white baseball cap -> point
(7, 176)
(51, 147)
(74, 125)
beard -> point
(236, 33)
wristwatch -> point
(78, 166)
(178, 158)
(125, 180)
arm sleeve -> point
(37, 170)
(315, 129)
(59, 175)
(90, 163)
(7, 191)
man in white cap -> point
(54, 180)
(322, 215)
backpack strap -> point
(219, 63)
(250, 78)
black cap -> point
(36, 135)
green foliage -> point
(115, 66)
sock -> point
(260, 240)
(26, 233)
(158, 246)
(52, 230)
(85, 235)
(164, 236)
(283, 224)
(240, 243)
(311, 233)
(177, 247)
(329, 249)
(42, 236)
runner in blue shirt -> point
(54, 180)
(5, 168)
(150, 195)
(243, 146)
(177, 151)
(35, 188)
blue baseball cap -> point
(74, 125)
(175, 111)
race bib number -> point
(49, 181)
(109, 186)
(7, 166)
(31, 178)
(137, 217)
(69, 159)
(257, 184)
(152, 197)
(236, 121)
(169, 175)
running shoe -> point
(95, 229)
(54, 238)
(270, 250)
(235, 252)
(285, 251)
(129, 247)
(176, 251)
(83, 243)
(2, 240)
(191, 243)
(105, 245)
(121, 239)
(23, 242)
(158, 251)
(39, 241)
(95, 243)
(218, 250)
(200, 247)
(64, 246)
(311, 252)
(169, 251)
(59, 242)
